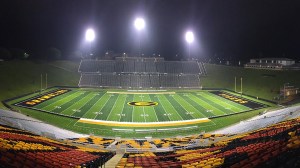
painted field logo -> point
(142, 103)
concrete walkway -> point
(112, 163)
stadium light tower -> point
(139, 24)
(189, 38)
(90, 37)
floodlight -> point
(189, 37)
(90, 35)
(139, 23)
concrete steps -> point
(112, 163)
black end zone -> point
(41, 98)
(240, 100)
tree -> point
(18, 53)
(53, 54)
(5, 54)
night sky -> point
(231, 29)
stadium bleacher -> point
(20, 148)
(137, 73)
(274, 146)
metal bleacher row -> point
(140, 74)
(112, 66)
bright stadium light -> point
(189, 37)
(89, 35)
(139, 23)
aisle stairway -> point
(112, 163)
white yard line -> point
(208, 105)
(185, 108)
(94, 104)
(83, 104)
(112, 107)
(166, 111)
(132, 113)
(122, 109)
(153, 109)
(102, 106)
(59, 101)
(219, 97)
(144, 109)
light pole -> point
(89, 37)
(139, 24)
(189, 37)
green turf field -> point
(138, 106)
(65, 107)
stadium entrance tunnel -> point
(142, 103)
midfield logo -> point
(142, 103)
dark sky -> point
(224, 28)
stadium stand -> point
(20, 148)
(266, 147)
(140, 73)
(139, 80)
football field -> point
(139, 106)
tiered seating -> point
(140, 73)
(150, 67)
(128, 66)
(168, 80)
(125, 80)
(188, 81)
(154, 80)
(23, 149)
(260, 148)
(190, 68)
(145, 81)
(138, 144)
(106, 66)
(160, 67)
(139, 80)
(139, 66)
(134, 81)
(173, 67)
(91, 140)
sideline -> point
(143, 124)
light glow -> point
(139, 23)
(189, 37)
(90, 35)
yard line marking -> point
(163, 106)
(60, 100)
(221, 108)
(171, 107)
(195, 105)
(122, 108)
(79, 107)
(149, 98)
(102, 106)
(85, 103)
(176, 111)
(113, 107)
(199, 101)
(144, 110)
(226, 102)
(132, 112)
(85, 94)
(178, 97)
(102, 97)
